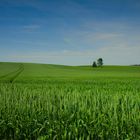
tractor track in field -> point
(13, 75)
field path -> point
(11, 76)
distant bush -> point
(94, 64)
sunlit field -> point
(44, 102)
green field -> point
(45, 102)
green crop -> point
(46, 102)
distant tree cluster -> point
(99, 63)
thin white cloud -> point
(121, 55)
(31, 27)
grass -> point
(64, 102)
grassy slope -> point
(44, 72)
(6, 68)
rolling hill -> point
(30, 71)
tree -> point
(94, 64)
(100, 62)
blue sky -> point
(71, 32)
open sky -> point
(71, 32)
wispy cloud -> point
(120, 55)
(31, 28)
